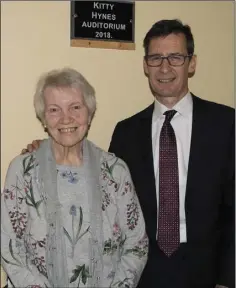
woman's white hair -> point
(63, 78)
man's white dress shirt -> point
(182, 125)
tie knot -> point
(169, 115)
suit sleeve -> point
(227, 243)
(116, 144)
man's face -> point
(168, 81)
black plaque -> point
(102, 20)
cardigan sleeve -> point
(135, 242)
(15, 252)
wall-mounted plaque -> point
(103, 24)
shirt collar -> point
(184, 107)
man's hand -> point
(31, 147)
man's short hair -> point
(166, 27)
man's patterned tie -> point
(168, 219)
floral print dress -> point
(75, 215)
(24, 233)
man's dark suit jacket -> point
(209, 201)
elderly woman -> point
(70, 215)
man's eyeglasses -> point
(173, 60)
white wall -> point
(35, 37)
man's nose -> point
(165, 66)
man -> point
(194, 211)
(180, 151)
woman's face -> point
(66, 115)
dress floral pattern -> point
(76, 224)
(24, 235)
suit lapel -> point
(196, 167)
(148, 191)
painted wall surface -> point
(35, 38)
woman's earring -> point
(45, 128)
